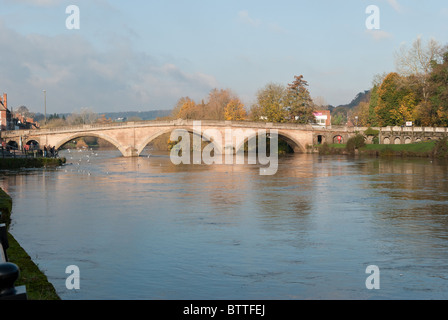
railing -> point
(414, 129)
(178, 122)
(13, 152)
(9, 272)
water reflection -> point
(225, 232)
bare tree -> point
(217, 102)
(86, 116)
(416, 62)
(320, 102)
(378, 79)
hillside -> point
(120, 116)
(143, 115)
(360, 97)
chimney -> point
(5, 100)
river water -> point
(143, 228)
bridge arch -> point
(13, 144)
(151, 138)
(63, 141)
(295, 145)
(338, 138)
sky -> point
(142, 55)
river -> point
(143, 228)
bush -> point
(441, 148)
(372, 132)
(355, 142)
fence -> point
(13, 152)
(9, 272)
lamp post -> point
(45, 105)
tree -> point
(438, 90)
(418, 59)
(362, 112)
(417, 62)
(235, 110)
(393, 94)
(217, 102)
(270, 103)
(373, 118)
(23, 110)
(188, 110)
(176, 110)
(406, 110)
(298, 102)
(55, 123)
(320, 102)
(86, 116)
(53, 116)
(103, 120)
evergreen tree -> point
(299, 104)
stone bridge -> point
(132, 137)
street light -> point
(45, 105)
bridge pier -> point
(130, 152)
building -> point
(6, 122)
(323, 117)
(21, 122)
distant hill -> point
(360, 97)
(339, 114)
(120, 116)
(344, 108)
(143, 115)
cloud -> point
(379, 35)
(395, 5)
(37, 3)
(245, 18)
(75, 74)
(444, 12)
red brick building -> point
(5, 114)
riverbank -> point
(429, 149)
(18, 163)
(37, 285)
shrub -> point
(441, 148)
(372, 132)
(355, 142)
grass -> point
(36, 282)
(438, 149)
(338, 146)
(37, 285)
(420, 147)
(17, 163)
(5, 208)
